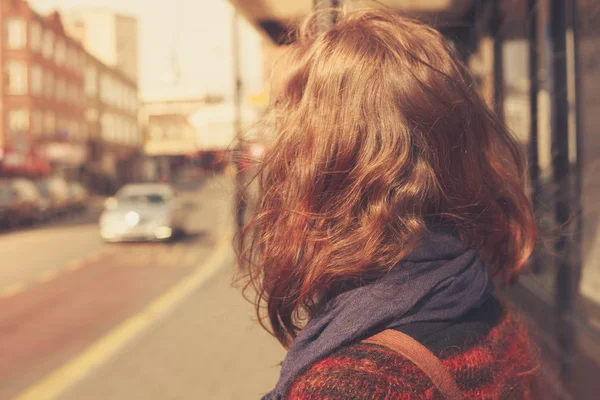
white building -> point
(110, 37)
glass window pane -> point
(17, 77)
(15, 33)
(588, 67)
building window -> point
(17, 77)
(35, 36)
(61, 90)
(15, 33)
(49, 84)
(587, 43)
(37, 80)
(104, 88)
(18, 120)
(49, 123)
(91, 81)
(59, 52)
(48, 44)
(107, 126)
(37, 122)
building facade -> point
(112, 119)
(62, 110)
(111, 38)
(42, 100)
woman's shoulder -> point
(363, 371)
(497, 364)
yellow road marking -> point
(64, 377)
(13, 289)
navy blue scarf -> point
(441, 280)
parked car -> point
(8, 212)
(142, 212)
(19, 202)
(78, 196)
(56, 192)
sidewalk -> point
(208, 347)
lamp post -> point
(240, 202)
(326, 19)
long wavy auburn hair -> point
(377, 130)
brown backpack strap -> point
(422, 358)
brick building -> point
(62, 109)
(111, 116)
(41, 86)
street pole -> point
(240, 201)
(327, 17)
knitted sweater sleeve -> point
(503, 364)
(364, 371)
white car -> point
(142, 212)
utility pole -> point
(240, 201)
(328, 16)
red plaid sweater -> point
(500, 364)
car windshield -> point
(146, 198)
(43, 188)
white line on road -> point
(107, 346)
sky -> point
(199, 31)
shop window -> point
(587, 44)
(17, 77)
(515, 68)
(15, 33)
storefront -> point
(537, 63)
(67, 159)
(545, 71)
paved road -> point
(31, 253)
(79, 292)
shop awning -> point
(274, 16)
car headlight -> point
(132, 218)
